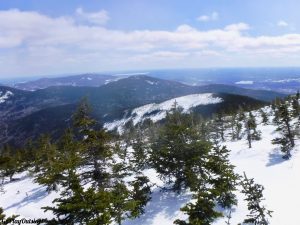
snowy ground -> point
(263, 162)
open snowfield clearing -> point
(263, 162)
(156, 112)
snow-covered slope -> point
(156, 112)
(5, 96)
(263, 162)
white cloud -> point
(31, 42)
(237, 27)
(212, 17)
(98, 18)
(282, 23)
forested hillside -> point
(184, 170)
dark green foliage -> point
(285, 128)
(48, 170)
(218, 127)
(140, 195)
(258, 214)
(177, 154)
(251, 132)
(202, 211)
(94, 190)
(10, 162)
(235, 126)
(4, 219)
(264, 116)
(185, 161)
(140, 150)
(225, 179)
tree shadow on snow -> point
(162, 202)
(275, 158)
(34, 196)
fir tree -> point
(10, 162)
(264, 116)
(285, 127)
(225, 181)
(202, 212)
(251, 132)
(140, 148)
(254, 197)
(236, 127)
(219, 126)
(47, 170)
(94, 190)
(177, 154)
(5, 219)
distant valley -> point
(27, 114)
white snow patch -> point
(157, 112)
(247, 82)
(6, 96)
(150, 82)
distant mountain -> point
(88, 80)
(284, 80)
(24, 114)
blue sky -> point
(74, 36)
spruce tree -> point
(10, 162)
(178, 155)
(264, 116)
(225, 180)
(251, 132)
(47, 169)
(5, 219)
(236, 127)
(140, 154)
(219, 126)
(94, 189)
(258, 214)
(286, 129)
(202, 212)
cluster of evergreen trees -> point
(186, 153)
(88, 166)
(286, 118)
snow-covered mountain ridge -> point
(156, 112)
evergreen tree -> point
(140, 148)
(295, 107)
(47, 168)
(177, 154)
(251, 132)
(264, 116)
(5, 219)
(94, 190)
(225, 181)
(202, 212)
(219, 126)
(236, 127)
(286, 129)
(254, 197)
(10, 162)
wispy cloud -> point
(99, 18)
(282, 23)
(212, 17)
